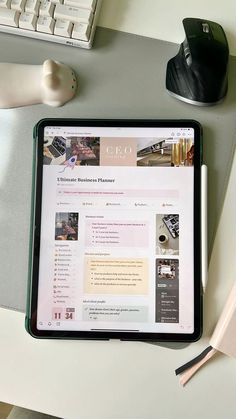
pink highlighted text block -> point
(116, 233)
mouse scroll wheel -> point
(187, 55)
(205, 27)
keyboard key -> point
(45, 24)
(32, 6)
(5, 3)
(46, 8)
(84, 4)
(74, 14)
(28, 21)
(9, 17)
(63, 28)
(81, 31)
(18, 5)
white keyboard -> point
(69, 22)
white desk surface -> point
(120, 380)
(106, 380)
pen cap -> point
(224, 335)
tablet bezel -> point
(31, 311)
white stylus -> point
(204, 235)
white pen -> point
(204, 235)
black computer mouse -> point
(198, 73)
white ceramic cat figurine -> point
(52, 83)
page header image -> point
(114, 151)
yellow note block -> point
(116, 276)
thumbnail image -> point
(165, 152)
(167, 269)
(167, 234)
(167, 291)
(66, 226)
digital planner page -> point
(116, 249)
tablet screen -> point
(117, 230)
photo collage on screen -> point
(90, 151)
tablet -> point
(115, 243)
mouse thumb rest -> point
(190, 85)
